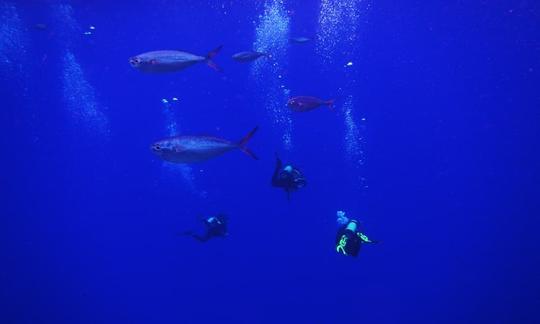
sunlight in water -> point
(173, 129)
(272, 37)
(80, 97)
(13, 43)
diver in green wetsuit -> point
(349, 239)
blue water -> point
(433, 146)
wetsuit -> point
(215, 227)
(287, 177)
(348, 241)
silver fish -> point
(299, 40)
(171, 61)
(190, 149)
(248, 56)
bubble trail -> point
(173, 129)
(272, 36)
(338, 27)
(13, 44)
(69, 29)
(79, 95)
(338, 34)
(353, 138)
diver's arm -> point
(299, 179)
(200, 238)
(364, 238)
(275, 176)
(279, 164)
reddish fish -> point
(189, 149)
(303, 103)
(171, 61)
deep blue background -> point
(450, 93)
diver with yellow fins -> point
(349, 238)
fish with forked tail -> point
(299, 40)
(248, 56)
(191, 149)
(305, 103)
(171, 61)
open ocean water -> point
(432, 145)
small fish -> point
(171, 61)
(190, 149)
(249, 56)
(40, 26)
(299, 40)
(303, 103)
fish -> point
(248, 56)
(171, 61)
(192, 149)
(304, 103)
(40, 26)
(299, 40)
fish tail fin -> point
(249, 153)
(243, 142)
(210, 56)
(246, 138)
(330, 103)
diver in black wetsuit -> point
(349, 239)
(216, 226)
(287, 177)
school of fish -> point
(191, 148)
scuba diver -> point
(287, 177)
(349, 239)
(216, 226)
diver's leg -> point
(275, 176)
(200, 238)
(195, 236)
